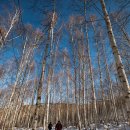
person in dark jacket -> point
(50, 126)
(58, 126)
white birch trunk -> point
(90, 66)
(91, 78)
(99, 69)
(67, 91)
(119, 65)
(110, 84)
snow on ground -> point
(108, 126)
(105, 127)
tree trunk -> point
(112, 97)
(120, 69)
(99, 69)
(90, 67)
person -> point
(50, 126)
(58, 126)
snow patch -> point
(108, 126)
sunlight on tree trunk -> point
(119, 65)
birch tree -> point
(118, 60)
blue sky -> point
(65, 9)
(33, 15)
